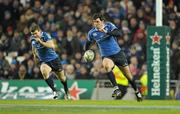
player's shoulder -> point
(46, 35)
(109, 23)
(92, 30)
(32, 38)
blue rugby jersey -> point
(107, 47)
(45, 54)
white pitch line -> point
(92, 106)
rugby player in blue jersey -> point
(105, 34)
(43, 51)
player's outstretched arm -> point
(87, 45)
(34, 52)
(48, 44)
(115, 32)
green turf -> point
(89, 107)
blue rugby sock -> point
(50, 82)
(112, 78)
(65, 86)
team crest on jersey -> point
(94, 34)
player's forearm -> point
(105, 37)
(115, 32)
(33, 51)
(35, 58)
(87, 45)
(47, 44)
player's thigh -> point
(108, 64)
(45, 70)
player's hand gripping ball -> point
(89, 56)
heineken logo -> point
(158, 53)
(155, 90)
(13, 92)
(15, 89)
(156, 38)
(76, 91)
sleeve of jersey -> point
(47, 37)
(88, 43)
(112, 26)
(33, 41)
(89, 37)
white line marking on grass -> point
(93, 106)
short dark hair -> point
(34, 27)
(98, 15)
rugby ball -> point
(89, 56)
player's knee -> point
(45, 74)
(107, 68)
(45, 70)
(108, 64)
(63, 78)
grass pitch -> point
(89, 107)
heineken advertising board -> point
(38, 89)
(158, 62)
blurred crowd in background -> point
(68, 22)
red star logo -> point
(168, 38)
(156, 38)
(75, 91)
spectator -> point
(83, 73)
(15, 42)
(134, 67)
(36, 73)
(14, 66)
(71, 44)
(4, 67)
(70, 72)
(22, 73)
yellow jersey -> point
(119, 76)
